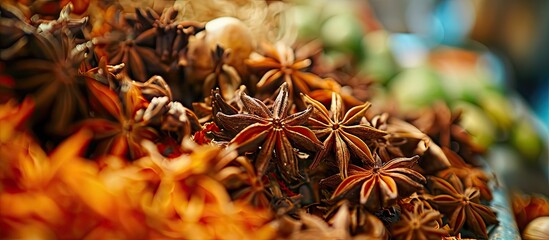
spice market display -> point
(126, 120)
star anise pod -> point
(470, 175)
(15, 31)
(207, 110)
(313, 227)
(172, 117)
(13, 117)
(388, 147)
(271, 130)
(180, 119)
(281, 65)
(419, 223)
(133, 44)
(224, 76)
(419, 197)
(342, 132)
(442, 125)
(401, 140)
(461, 205)
(383, 183)
(219, 105)
(254, 190)
(52, 77)
(361, 223)
(172, 36)
(404, 139)
(122, 129)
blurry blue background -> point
(514, 32)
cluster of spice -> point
(143, 125)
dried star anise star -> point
(172, 36)
(51, 75)
(360, 222)
(442, 125)
(254, 189)
(342, 132)
(14, 36)
(123, 135)
(419, 223)
(461, 205)
(134, 46)
(403, 139)
(223, 76)
(471, 176)
(382, 183)
(271, 130)
(313, 227)
(281, 65)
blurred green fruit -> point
(342, 32)
(378, 62)
(497, 107)
(475, 121)
(306, 20)
(526, 139)
(335, 8)
(416, 87)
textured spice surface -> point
(154, 122)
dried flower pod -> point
(13, 117)
(442, 125)
(281, 65)
(180, 119)
(251, 189)
(311, 226)
(14, 31)
(224, 76)
(361, 223)
(105, 74)
(271, 130)
(461, 205)
(173, 212)
(122, 128)
(382, 184)
(133, 43)
(471, 176)
(51, 76)
(205, 63)
(419, 223)
(342, 132)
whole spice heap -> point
(144, 125)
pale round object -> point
(231, 33)
(537, 229)
(199, 62)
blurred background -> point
(486, 58)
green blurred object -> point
(378, 62)
(306, 21)
(526, 140)
(497, 107)
(475, 121)
(418, 87)
(343, 33)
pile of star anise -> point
(144, 125)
